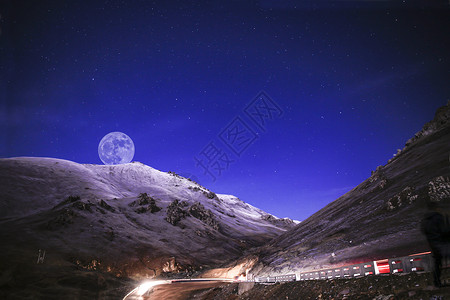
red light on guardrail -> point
(383, 267)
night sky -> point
(344, 84)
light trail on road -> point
(144, 290)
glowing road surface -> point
(172, 289)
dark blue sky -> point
(353, 80)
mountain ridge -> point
(129, 220)
(378, 218)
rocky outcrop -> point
(81, 205)
(176, 212)
(211, 195)
(379, 177)
(145, 204)
(205, 215)
(439, 190)
(65, 213)
(441, 120)
(284, 222)
(171, 265)
(407, 196)
(106, 206)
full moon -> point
(116, 148)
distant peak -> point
(441, 120)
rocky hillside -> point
(126, 220)
(378, 218)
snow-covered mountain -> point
(377, 219)
(129, 220)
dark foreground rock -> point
(388, 287)
(32, 281)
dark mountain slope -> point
(378, 218)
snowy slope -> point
(106, 225)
